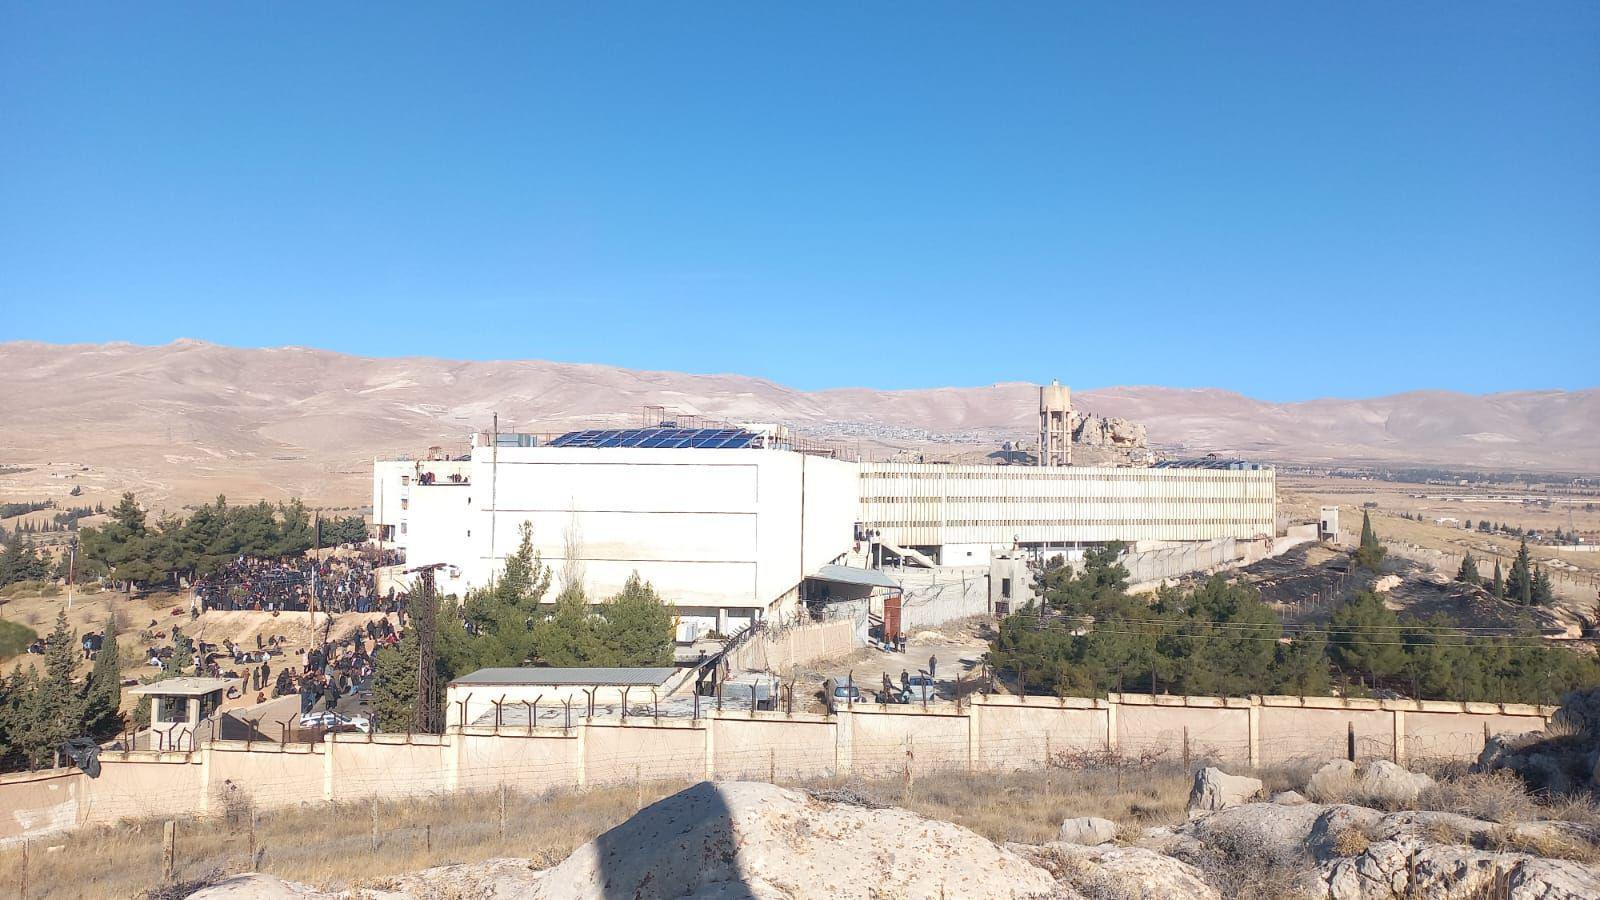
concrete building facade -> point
(729, 534)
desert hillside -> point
(186, 420)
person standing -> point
(933, 666)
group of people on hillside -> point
(336, 584)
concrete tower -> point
(1055, 425)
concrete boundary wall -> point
(780, 649)
(998, 733)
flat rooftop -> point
(183, 687)
(560, 676)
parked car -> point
(336, 722)
(837, 693)
(922, 689)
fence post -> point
(1350, 741)
(1186, 769)
(372, 809)
(169, 852)
(24, 869)
(502, 811)
(252, 862)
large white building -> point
(728, 523)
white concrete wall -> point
(919, 505)
(716, 529)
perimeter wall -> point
(989, 734)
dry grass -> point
(325, 844)
(1491, 796)
(1351, 841)
(331, 845)
(1548, 843)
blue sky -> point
(1285, 199)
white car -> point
(336, 722)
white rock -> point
(1384, 782)
(1289, 798)
(1088, 830)
(1132, 872)
(1215, 789)
(753, 840)
(1332, 783)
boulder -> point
(755, 840)
(257, 886)
(1335, 781)
(1088, 830)
(1131, 872)
(1289, 798)
(1269, 832)
(1387, 784)
(1215, 789)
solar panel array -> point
(657, 437)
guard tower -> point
(1055, 425)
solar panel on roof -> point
(657, 438)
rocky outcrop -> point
(1091, 430)
(1563, 759)
(749, 840)
(1215, 789)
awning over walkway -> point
(852, 575)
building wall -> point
(922, 505)
(708, 528)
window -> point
(402, 528)
(405, 503)
(1005, 588)
(405, 480)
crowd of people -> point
(336, 584)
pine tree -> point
(1519, 584)
(55, 710)
(1544, 592)
(103, 700)
(1361, 636)
(1498, 586)
(1370, 552)
(1468, 573)
(638, 628)
(182, 660)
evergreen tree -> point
(103, 700)
(1370, 552)
(1468, 573)
(570, 636)
(638, 627)
(1497, 587)
(16, 710)
(1519, 584)
(182, 660)
(1363, 637)
(55, 709)
(1544, 592)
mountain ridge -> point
(204, 408)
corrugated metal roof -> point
(610, 675)
(853, 575)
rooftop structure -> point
(659, 436)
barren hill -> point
(189, 419)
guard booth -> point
(183, 711)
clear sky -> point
(1285, 199)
